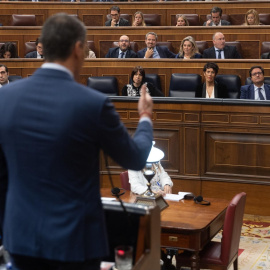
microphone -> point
(199, 199)
(116, 191)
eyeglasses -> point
(257, 73)
(115, 14)
(123, 40)
(3, 72)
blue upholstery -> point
(266, 80)
(232, 82)
(152, 78)
(13, 78)
(107, 85)
(184, 85)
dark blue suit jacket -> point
(247, 91)
(163, 51)
(114, 53)
(51, 132)
(230, 52)
(31, 54)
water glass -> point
(123, 257)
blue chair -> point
(232, 82)
(266, 80)
(152, 78)
(107, 85)
(184, 85)
(13, 78)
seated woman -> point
(138, 19)
(188, 49)
(252, 18)
(160, 184)
(182, 20)
(211, 89)
(8, 50)
(138, 79)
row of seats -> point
(181, 84)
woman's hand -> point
(167, 189)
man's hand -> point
(113, 22)
(145, 104)
(208, 22)
(149, 53)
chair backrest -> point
(152, 19)
(29, 47)
(168, 44)
(184, 85)
(237, 44)
(124, 16)
(264, 18)
(193, 19)
(266, 80)
(232, 82)
(13, 78)
(23, 20)
(152, 78)
(265, 48)
(223, 17)
(232, 227)
(106, 84)
(125, 180)
(202, 45)
(133, 45)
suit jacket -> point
(265, 55)
(163, 51)
(32, 54)
(114, 53)
(230, 52)
(223, 22)
(51, 132)
(247, 91)
(220, 91)
(196, 55)
(122, 22)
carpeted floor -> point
(254, 249)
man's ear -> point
(78, 47)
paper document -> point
(172, 197)
(182, 194)
(108, 199)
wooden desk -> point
(187, 225)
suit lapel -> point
(251, 91)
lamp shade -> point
(155, 154)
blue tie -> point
(122, 54)
(219, 54)
(260, 94)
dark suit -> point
(223, 22)
(247, 91)
(51, 133)
(122, 22)
(31, 54)
(230, 52)
(265, 55)
(163, 52)
(114, 53)
(220, 91)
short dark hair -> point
(59, 36)
(116, 8)
(261, 68)
(37, 41)
(1, 65)
(212, 65)
(9, 47)
(215, 10)
(141, 71)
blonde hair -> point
(136, 13)
(183, 17)
(194, 46)
(256, 16)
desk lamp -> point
(149, 198)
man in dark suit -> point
(51, 132)
(38, 53)
(115, 18)
(3, 75)
(123, 51)
(215, 20)
(220, 50)
(152, 50)
(258, 90)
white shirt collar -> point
(58, 67)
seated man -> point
(220, 50)
(215, 20)
(153, 51)
(116, 20)
(3, 75)
(38, 53)
(123, 51)
(258, 90)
